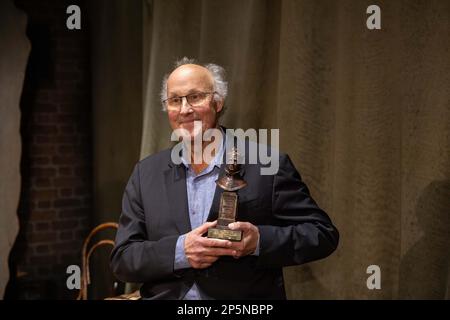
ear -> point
(219, 105)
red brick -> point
(66, 160)
(69, 96)
(66, 139)
(87, 201)
(43, 194)
(67, 118)
(84, 222)
(66, 246)
(43, 271)
(42, 182)
(68, 108)
(73, 257)
(64, 224)
(66, 129)
(72, 52)
(43, 204)
(65, 203)
(43, 172)
(47, 259)
(66, 192)
(67, 182)
(42, 149)
(67, 235)
(41, 226)
(69, 85)
(81, 234)
(67, 67)
(73, 213)
(39, 161)
(57, 134)
(41, 118)
(36, 237)
(81, 171)
(42, 249)
(45, 107)
(81, 191)
(65, 171)
(45, 129)
(42, 215)
(46, 118)
(65, 149)
(39, 139)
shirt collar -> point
(218, 158)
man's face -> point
(186, 80)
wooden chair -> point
(85, 256)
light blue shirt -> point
(200, 193)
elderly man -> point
(168, 208)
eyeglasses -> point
(193, 99)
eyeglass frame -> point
(181, 97)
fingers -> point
(213, 248)
(219, 243)
(204, 227)
(198, 259)
(202, 245)
(240, 225)
(217, 252)
(238, 251)
(202, 252)
(203, 265)
(249, 241)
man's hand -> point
(249, 241)
(202, 252)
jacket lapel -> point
(175, 183)
(214, 211)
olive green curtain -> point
(364, 114)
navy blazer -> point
(293, 230)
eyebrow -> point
(189, 92)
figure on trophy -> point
(230, 182)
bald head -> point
(189, 78)
(191, 69)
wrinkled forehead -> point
(188, 77)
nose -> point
(185, 107)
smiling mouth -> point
(187, 121)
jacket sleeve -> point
(134, 258)
(301, 231)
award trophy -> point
(230, 183)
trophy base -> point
(225, 234)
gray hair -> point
(217, 72)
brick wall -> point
(56, 198)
